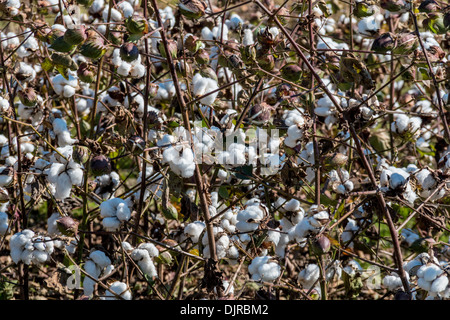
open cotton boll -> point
(202, 86)
(409, 236)
(269, 271)
(61, 131)
(249, 218)
(151, 249)
(393, 281)
(256, 263)
(120, 289)
(194, 230)
(100, 258)
(308, 276)
(4, 225)
(439, 284)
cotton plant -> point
(98, 264)
(349, 232)
(393, 282)
(264, 269)
(432, 278)
(65, 87)
(405, 125)
(114, 211)
(193, 231)
(33, 112)
(29, 248)
(292, 214)
(409, 236)
(106, 185)
(428, 181)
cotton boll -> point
(119, 288)
(100, 258)
(151, 249)
(148, 267)
(392, 282)
(123, 213)
(256, 263)
(439, 285)
(4, 225)
(308, 276)
(111, 223)
(422, 283)
(194, 230)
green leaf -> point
(223, 192)
(47, 65)
(244, 172)
(64, 71)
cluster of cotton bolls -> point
(98, 264)
(34, 113)
(429, 273)
(326, 108)
(309, 277)
(193, 231)
(394, 179)
(178, 154)
(306, 158)
(350, 230)
(409, 236)
(428, 181)
(134, 69)
(114, 211)
(143, 255)
(264, 269)
(29, 248)
(340, 181)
